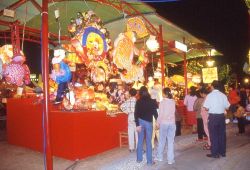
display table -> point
(74, 135)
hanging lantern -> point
(210, 62)
(152, 44)
(157, 74)
(137, 85)
(196, 78)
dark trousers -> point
(61, 90)
(200, 129)
(241, 124)
(178, 128)
(217, 132)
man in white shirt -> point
(216, 103)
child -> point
(241, 119)
(128, 107)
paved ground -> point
(189, 156)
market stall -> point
(86, 86)
(92, 66)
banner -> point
(209, 74)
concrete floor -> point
(189, 156)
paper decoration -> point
(137, 25)
(17, 74)
(14, 71)
(71, 55)
(90, 40)
(6, 53)
(94, 44)
(123, 51)
(134, 74)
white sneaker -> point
(157, 159)
(171, 162)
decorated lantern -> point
(14, 70)
(61, 73)
(90, 41)
(137, 25)
(152, 43)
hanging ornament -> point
(142, 58)
(152, 43)
(16, 72)
(6, 53)
(137, 25)
(72, 27)
(61, 72)
(134, 74)
(94, 44)
(124, 50)
(13, 70)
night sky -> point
(222, 23)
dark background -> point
(222, 23)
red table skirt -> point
(74, 135)
(191, 118)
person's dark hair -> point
(203, 91)
(143, 92)
(201, 85)
(132, 92)
(216, 84)
(222, 88)
(198, 94)
(167, 92)
(192, 91)
(232, 86)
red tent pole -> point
(45, 72)
(185, 69)
(161, 57)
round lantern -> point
(152, 44)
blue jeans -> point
(146, 128)
(167, 132)
(61, 90)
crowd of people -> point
(151, 116)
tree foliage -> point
(224, 74)
(194, 67)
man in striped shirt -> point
(128, 107)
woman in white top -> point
(166, 123)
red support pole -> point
(45, 73)
(185, 69)
(162, 57)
